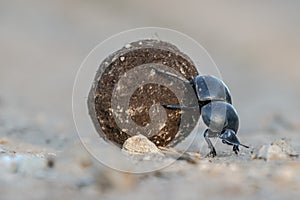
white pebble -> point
(127, 46)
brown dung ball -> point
(116, 69)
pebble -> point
(127, 46)
(140, 148)
(140, 144)
(277, 150)
(122, 58)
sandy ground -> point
(255, 45)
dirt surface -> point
(255, 45)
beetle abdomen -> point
(210, 88)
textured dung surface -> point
(139, 53)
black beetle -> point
(215, 105)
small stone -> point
(286, 147)
(122, 58)
(127, 46)
(140, 144)
(274, 152)
(277, 150)
(139, 148)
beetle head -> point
(228, 136)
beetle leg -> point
(172, 75)
(178, 106)
(207, 135)
(236, 149)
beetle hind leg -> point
(174, 107)
(208, 134)
(163, 72)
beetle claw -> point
(236, 149)
(211, 154)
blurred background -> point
(255, 44)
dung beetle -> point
(215, 106)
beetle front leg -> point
(235, 148)
(229, 137)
